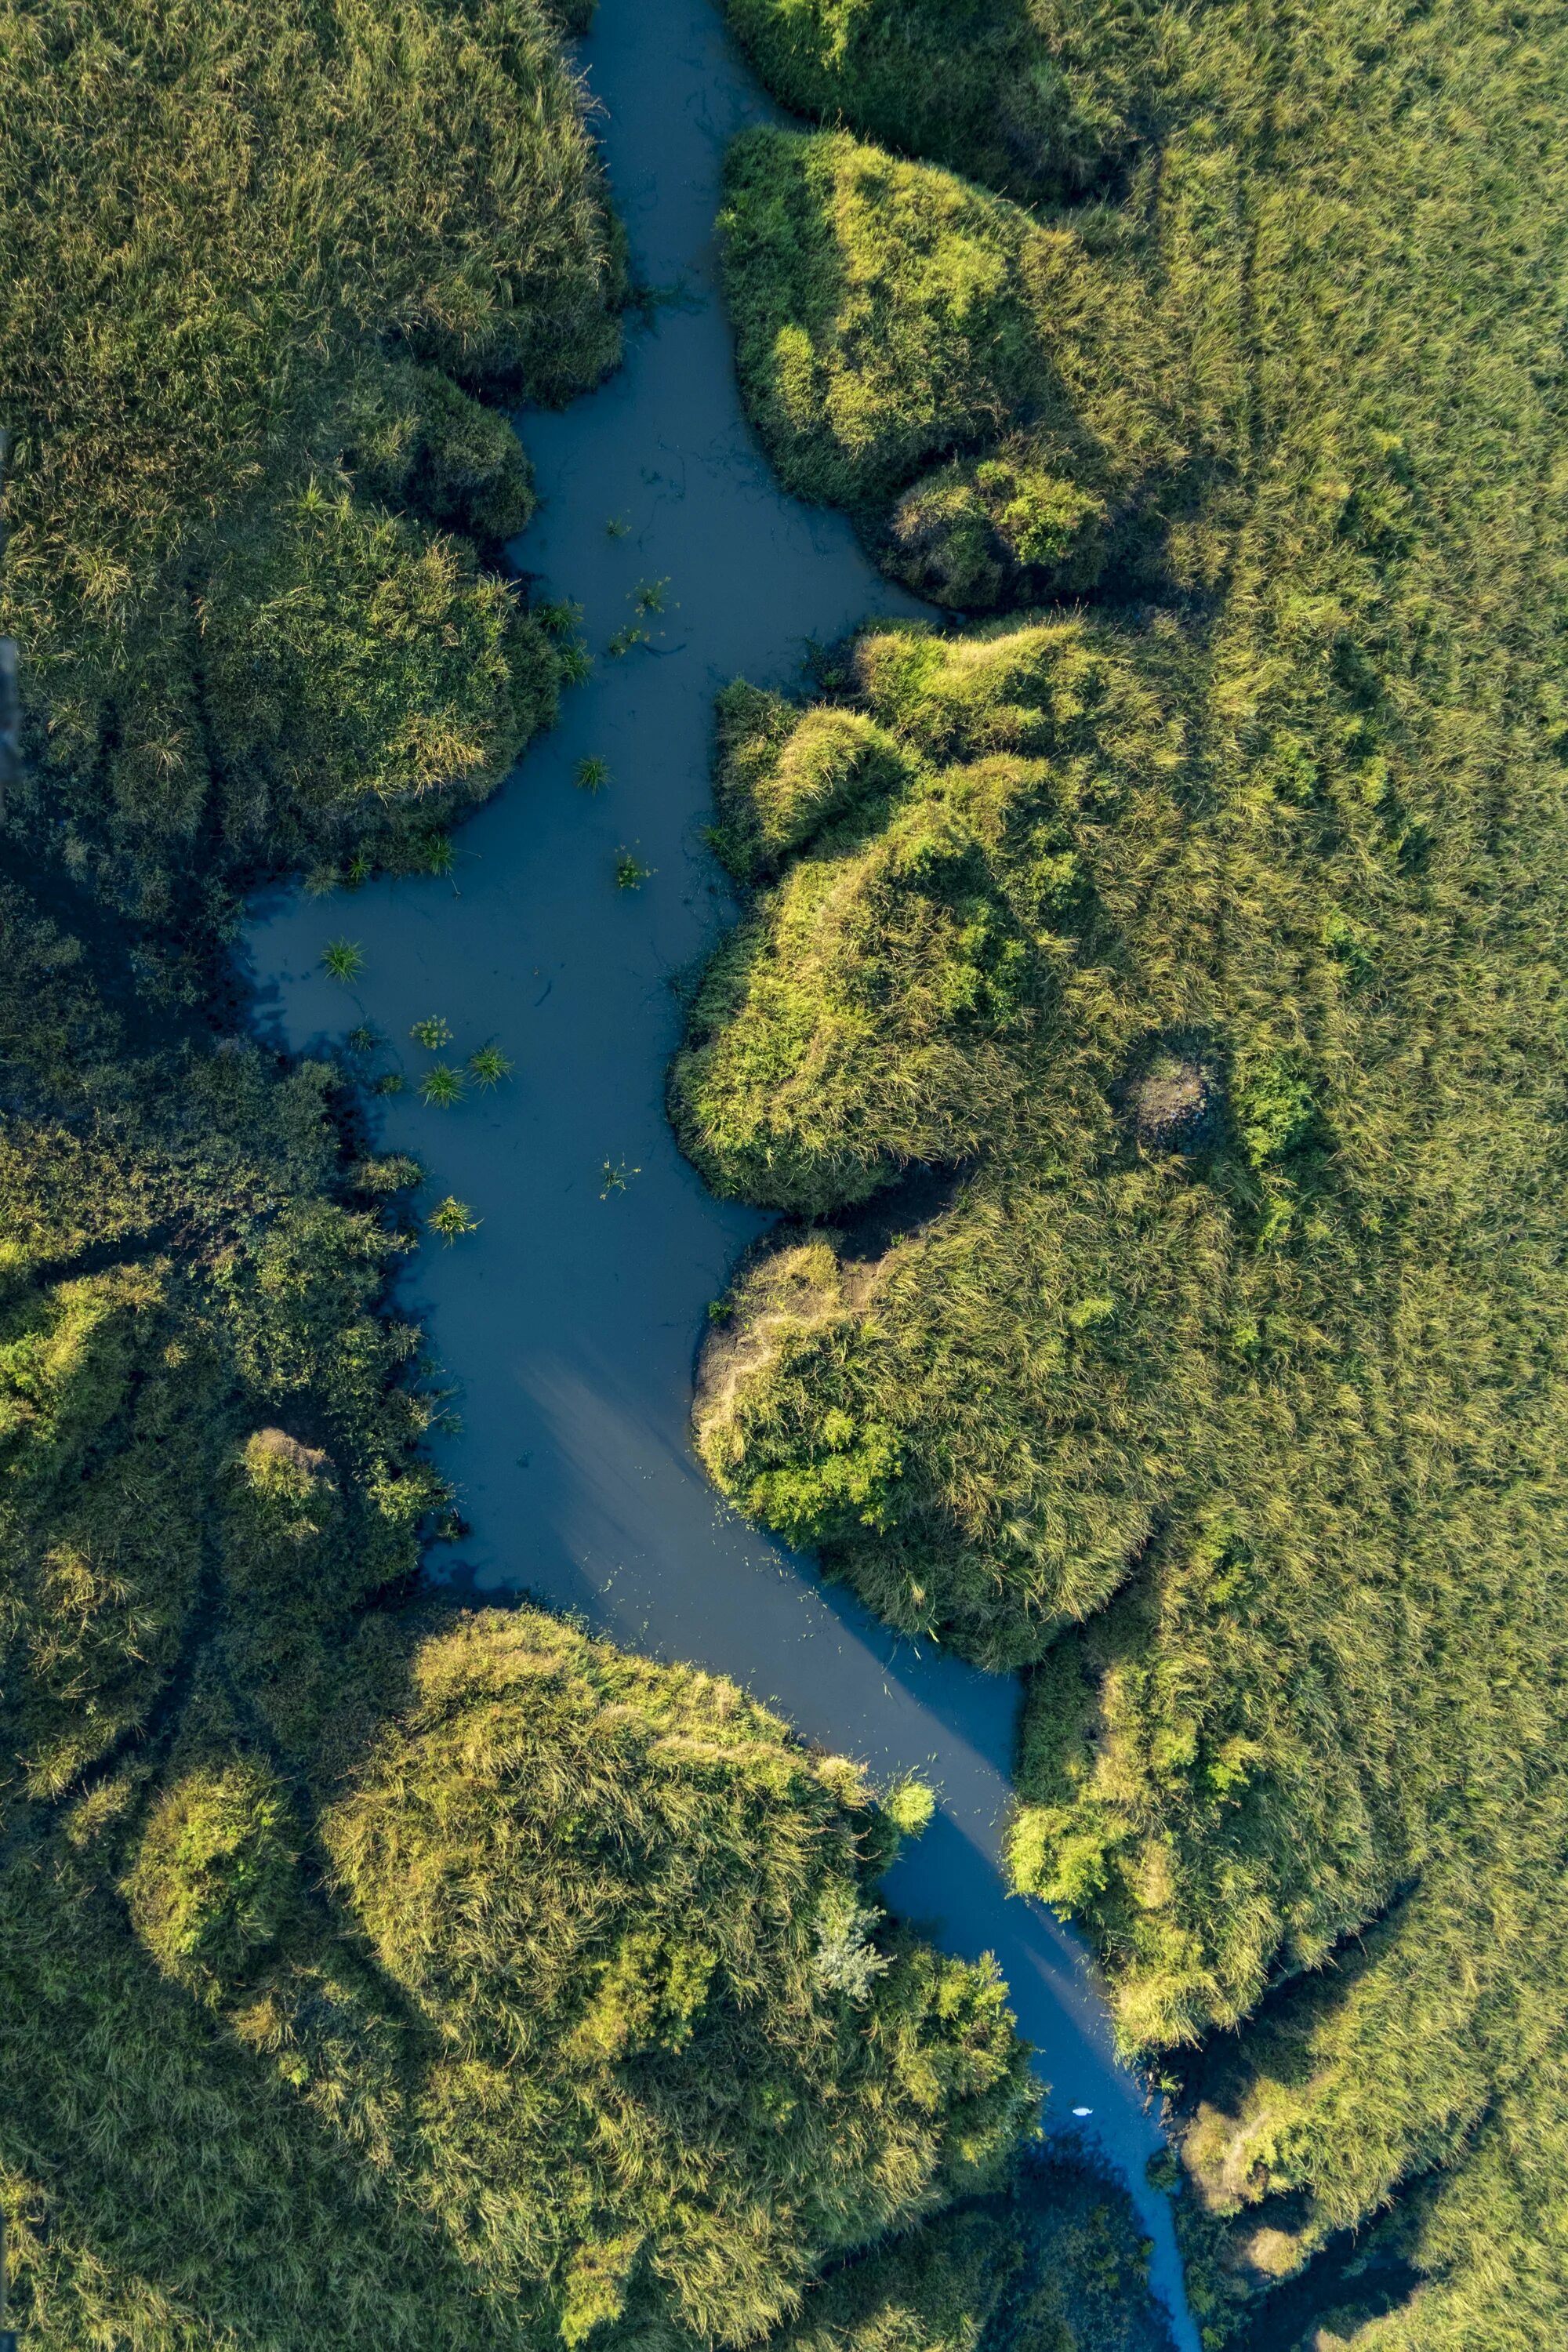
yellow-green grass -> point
(1212, 944)
(257, 264)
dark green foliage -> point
(455, 1978)
(1057, 2267)
(1215, 952)
(243, 630)
(1035, 97)
(992, 399)
(213, 1882)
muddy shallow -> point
(571, 1319)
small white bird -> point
(1083, 2111)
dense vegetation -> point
(259, 262)
(1192, 955)
(380, 1977)
(372, 1973)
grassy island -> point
(1147, 1010)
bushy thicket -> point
(1209, 945)
(988, 395)
(367, 1977)
(452, 1977)
(258, 263)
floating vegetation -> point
(630, 873)
(432, 1033)
(617, 1176)
(625, 639)
(452, 1218)
(442, 1086)
(342, 960)
(648, 595)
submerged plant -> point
(432, 1033)
(364, 1039)
(625, 639)
(488, 1066)
(648, 595)
(617, 1176)
(452, 1218)
(342, 959)
(442, 1086)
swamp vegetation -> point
(1147, 1007)
(372, 1972)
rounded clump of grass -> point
(342, 960)
(488, 1066)
(214, 1880)
(442, 1086)
(452, 1219)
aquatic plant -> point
(630, 873)
(591, 774)
(648, 596)
(432, 1033)
(342, 959)
(488, 1066)
(441, 1086)
(617, 1176)
(452, 1218)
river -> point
(571, 1317)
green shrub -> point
(214, 1878)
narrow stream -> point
(571, 1316)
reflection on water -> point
(571, 1316)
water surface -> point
(572, 1316)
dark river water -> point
(571, 1317)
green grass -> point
(986, 395)
(373, 1976)
(254, 497)
(1208, 941)
(1038, 98)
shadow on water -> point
(571, 1316)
